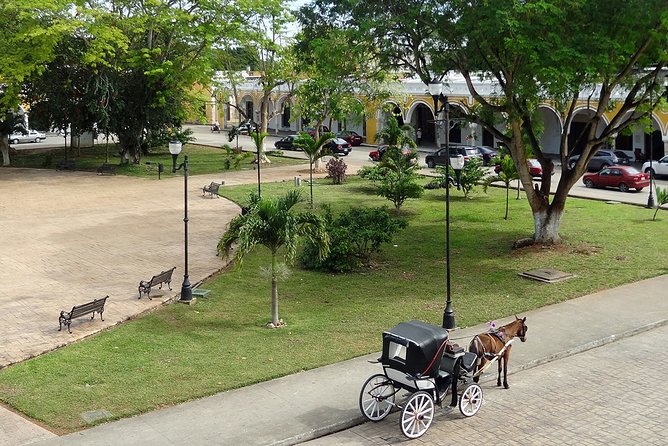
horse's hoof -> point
(506, 386)
(476, 379)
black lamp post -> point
(436, 92)
(175, 149)
(650, 199)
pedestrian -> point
(418, 136)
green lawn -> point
(202, 160)
(181, 352)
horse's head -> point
(522, 328)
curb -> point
(358, 420)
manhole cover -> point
(95, 415)
(546, 275)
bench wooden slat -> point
(96, 306)
(164, 277)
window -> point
(397, 352)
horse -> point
(488, 345)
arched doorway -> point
(580, 125)
(418, 117)
(551, 137)
(654, 147)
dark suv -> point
(438, 158)
(601, 160)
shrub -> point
(336, 170)
(472, 174)
(354, 236)
(371, 173)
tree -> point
(471, 175)
(396, 135)
(399, 178)
(338, 69)
(661, 199)
(27, 42)
(314, 150)
(507, 173)
(271, 222)
(619, 61)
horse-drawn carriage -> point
(418, 358)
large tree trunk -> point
(4, 146)
(546, 225)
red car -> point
(352, 137)
(535, 169)
(377, 154)
(621, 177)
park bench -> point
(212, 189)
(65, 165)
(96, 306)
(164, 277)
(106, 168)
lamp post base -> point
(449, 322)
(186, 292)
(650, 202)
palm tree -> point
(272, 223)
(396, 135)
(507, 173)
(314, 150)
(661, 198)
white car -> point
(658, 167)
(31, 136)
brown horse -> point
(488, 345)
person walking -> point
(418, 136)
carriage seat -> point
(468, 361)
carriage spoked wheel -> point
(417, 415)
(377, 397)
(470, 400)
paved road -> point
(612, 395)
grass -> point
(178, 352)
(202, 160)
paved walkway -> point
(605, 396)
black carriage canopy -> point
(414, 347)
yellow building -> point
(412, 105)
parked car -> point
(621, 177)
(311, 130)
(658, 167)
(338, 146)
(535, 169)
(352, 137)
(377, 154)
(487, 154)
(601, 160)
(438, 158)
(623, 158)
(31, 136)
(246, 128)
(286, 143)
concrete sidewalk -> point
(316, 402)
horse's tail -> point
(476, 347)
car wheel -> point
(589, 183)
(639, 189)
(650, 172)
(623, 187)
(431, 164)
(15, 141)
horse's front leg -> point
(506, 356)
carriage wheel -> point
(377, 397)
(417, 414)
(470, 400)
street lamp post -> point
(436, 92)
(175, 149)
(650, 199)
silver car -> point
(31, 136)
